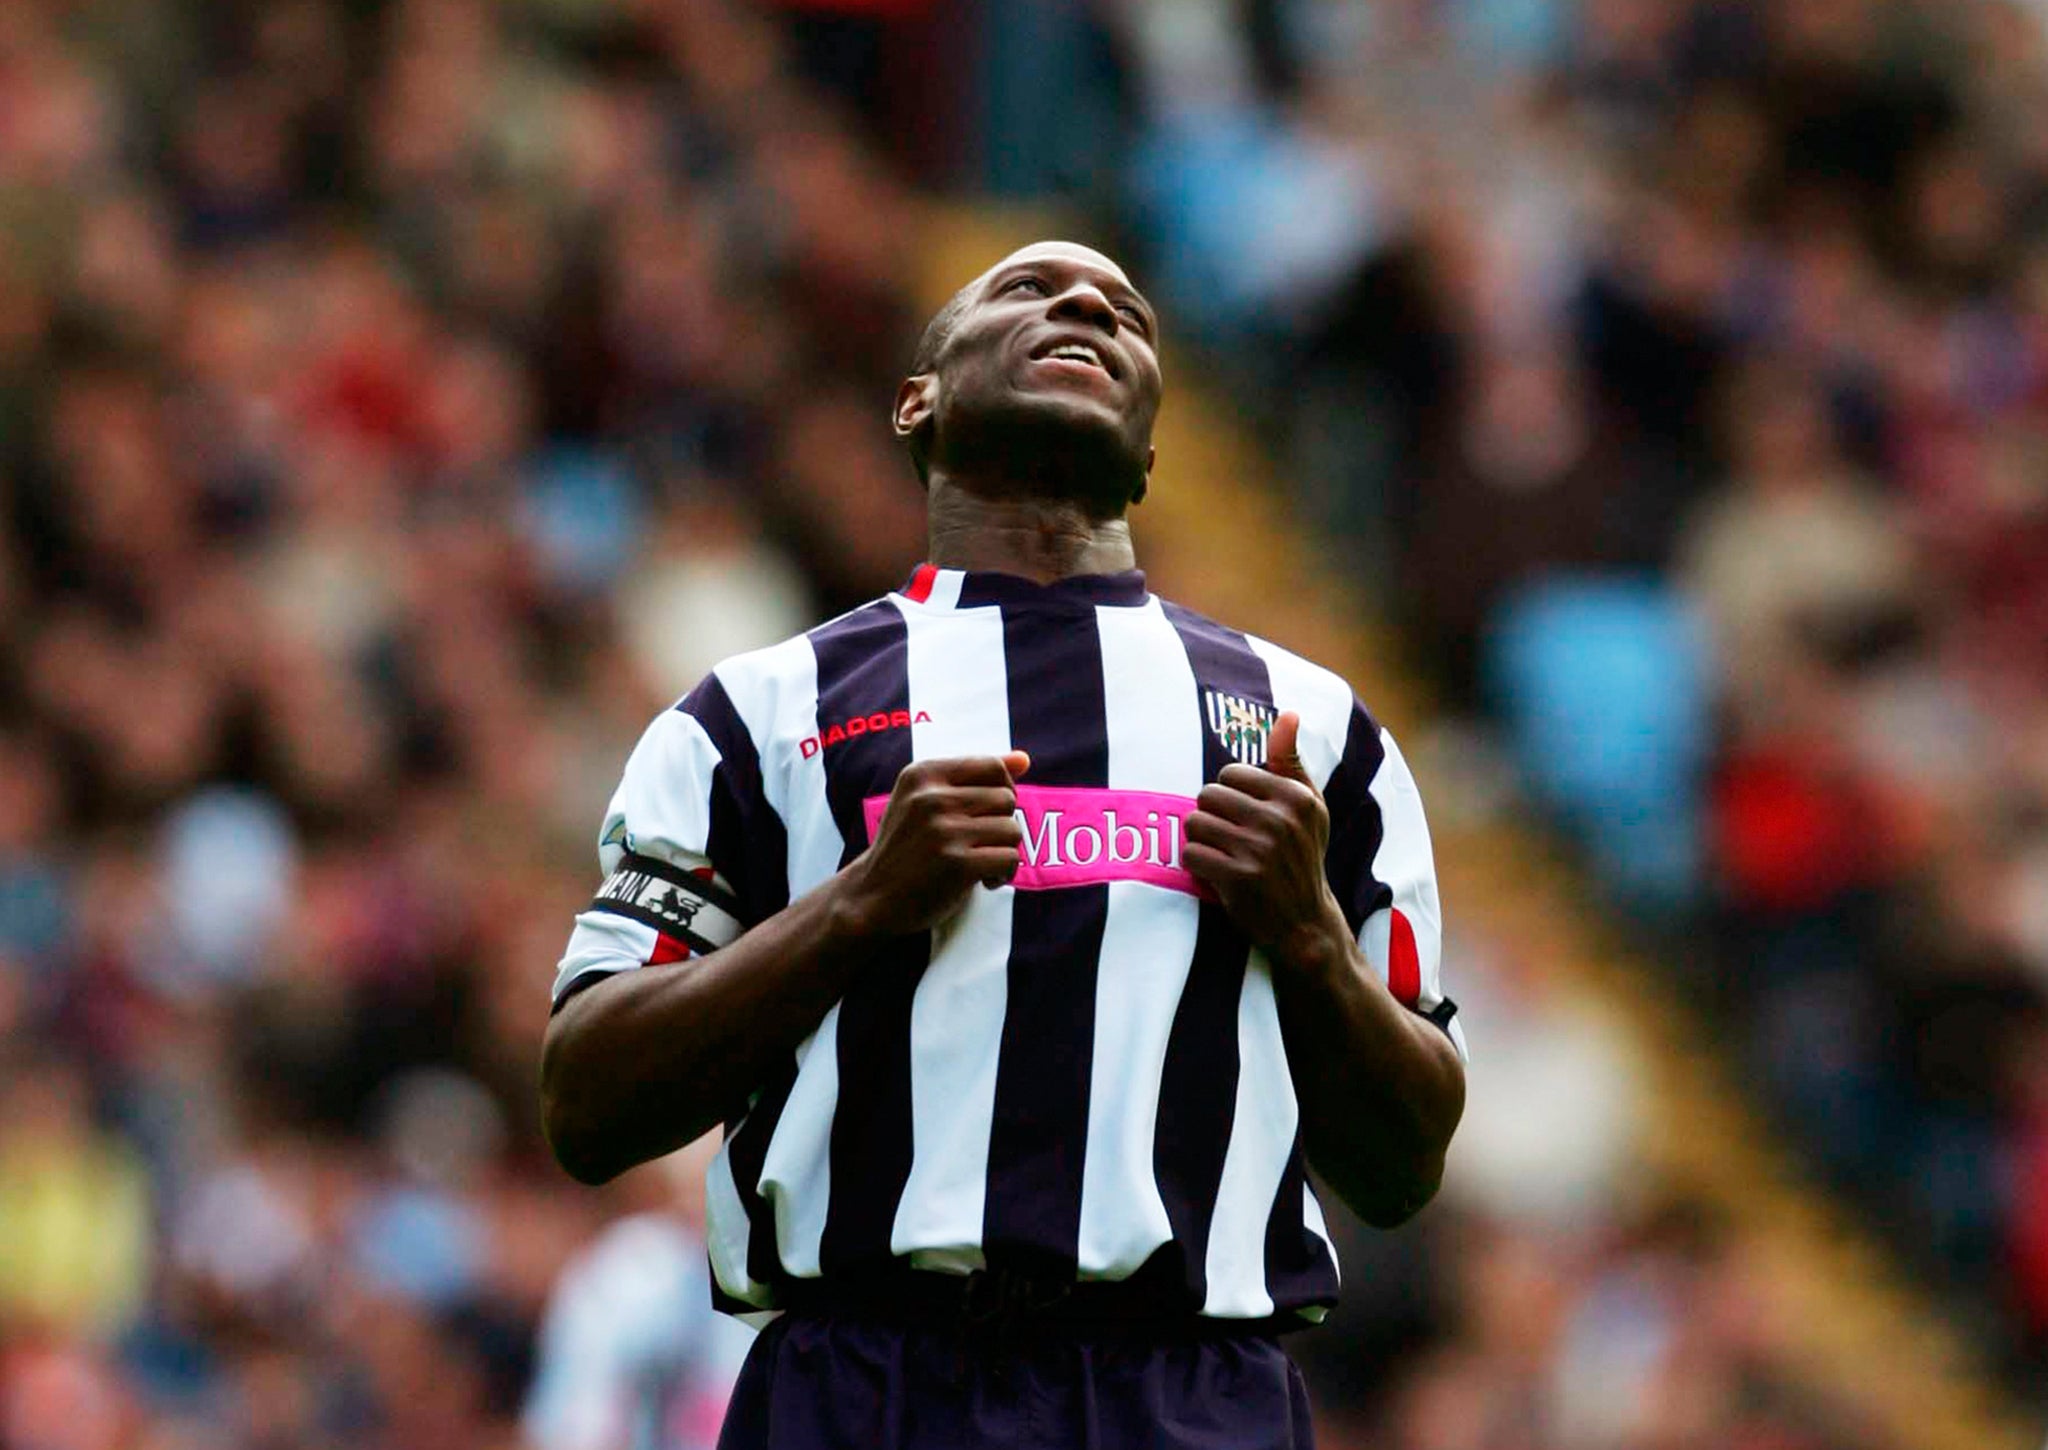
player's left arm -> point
(1380, 1080)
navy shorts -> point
(817, 1382)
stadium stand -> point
(377, 381)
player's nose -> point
(1084, 302)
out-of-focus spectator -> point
(1550, 1134)
(1692, 310)
(1800, 568)
(630, 1351)
(400, 403)
(397, 406)
(75, 1232)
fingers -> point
(987, 849)
(972, 800)
(1232, 836)
(994, 866)
(1230, 804)
(948, 808)
(976, 831)
(1215, 867)
(990, 770)
(1218, 833)
(992, 863)
(948, 826)
(1283, 753)
(1274, 807)
(1266, 785)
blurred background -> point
(1644, 401)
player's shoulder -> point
(770, 670)
(1305, 677)
(1294, 677)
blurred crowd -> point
(1676, 373)
(400, 402)
(399, 405)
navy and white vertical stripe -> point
(1080, 1075)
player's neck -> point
(1041, 539)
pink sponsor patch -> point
(1077, 835)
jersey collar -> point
(937, 588)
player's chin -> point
(1075, 445)
(1075, 409)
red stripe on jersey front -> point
(919, 589)
(1404, 963)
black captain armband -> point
(686, 905)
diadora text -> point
(861, 725)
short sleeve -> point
(1383, 873)
(689, 848)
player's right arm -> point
(641, 1058)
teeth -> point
(1073, 352)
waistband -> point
(1007, 1301)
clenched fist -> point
(950, 826)
(1257, 838)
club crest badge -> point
(1240, 724)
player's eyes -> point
(1134, 314)
(1032, 282)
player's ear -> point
(914, 403)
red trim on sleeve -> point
(1404, 962)
(919, 588)
(668, 949)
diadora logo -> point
(860, 725)
(1240, 724)
(1080, 835)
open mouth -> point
(1084, 354)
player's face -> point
(1056, 338)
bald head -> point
(1045, 364)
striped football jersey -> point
(1081, 1073)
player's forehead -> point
(1066, 256)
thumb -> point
(1282, 754)
(1016, 762)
